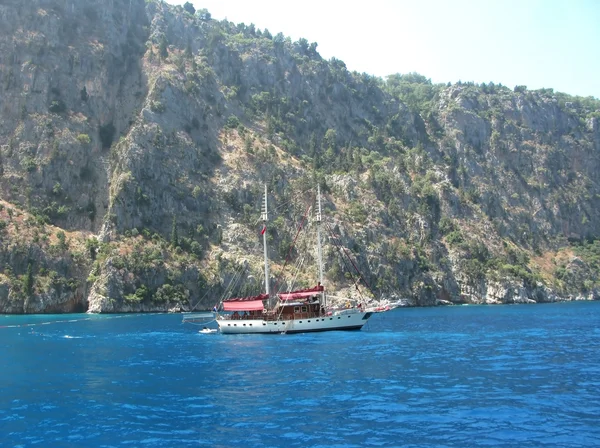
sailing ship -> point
(298, 311)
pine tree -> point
(188, 50)
(28, 281)
(189, 8)
(174, 237)
(162, 47)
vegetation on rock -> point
(135, 139)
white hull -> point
(344, 320)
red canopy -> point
(251, 305)
(301, 293)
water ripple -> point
(451, 377)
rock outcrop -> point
(135, 139)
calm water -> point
(519, 376)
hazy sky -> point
(537, 43)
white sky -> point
(537, 43)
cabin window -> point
(296, 309)
(309, 320)
(304, 309)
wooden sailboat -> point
(299, 311)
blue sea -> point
(465, 376)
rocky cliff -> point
(135, 139)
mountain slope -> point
(142, 135)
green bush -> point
(168, 292)
(157, 107)
(28, 163)
(140, 294)
(84, 139)
(446, 226)
(232, 122)
(454, 238)
(57, 107)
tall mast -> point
(265, 218)
(319, 248)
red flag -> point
(262, 232)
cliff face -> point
(135, 139)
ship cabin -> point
(301, 304)
(301, 309)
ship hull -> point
(343, 321)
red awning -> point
(246, 305)
(251, 303)
(301, 293)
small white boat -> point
(198, 318)
(206, 330)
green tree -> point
(232, 122)
(162, 47)
(203, 14)
(188, 50)
(303, 45)
(330, 139)
(57, 189)
(174, 237)
(189, 8)
(84, 139)
(279, 39)
(28, 280)
(92, 246)
(62, 240)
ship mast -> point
(265, 218)
(319, 248)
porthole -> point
(339, 317)
(331, 318)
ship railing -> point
(272, 316)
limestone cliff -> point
(135, 139)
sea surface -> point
(465, 376)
